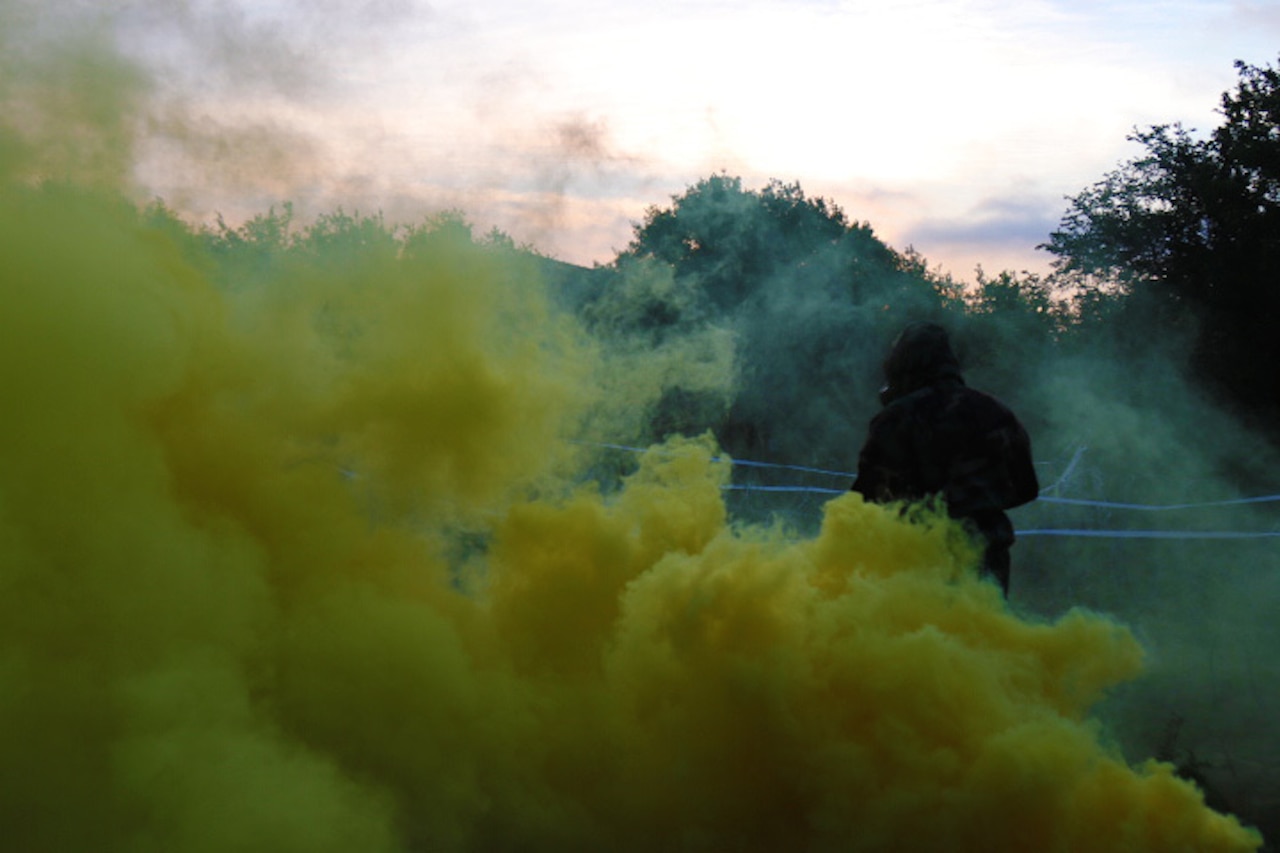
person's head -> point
(920, 356)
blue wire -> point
(1157, 507)
(1151, 534)
(1045, 531)
(815, 489)
(1042, 498)
(744, 462)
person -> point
(936, 436)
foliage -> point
(811, 299)
(733, 241)
(1005, 326)
(1196, 223)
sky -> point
(955, 127)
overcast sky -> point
(954, 126)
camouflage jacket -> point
(949, 440)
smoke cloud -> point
(234, 616)
(301, 551)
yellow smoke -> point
(236, 614)
(303, 560)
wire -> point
(1092, 533)
(1067, 472)
(1042, 499)
(1157, 507)
(1151, 534)
(816, 489)
(744, 462)
(749, 463)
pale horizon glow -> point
(956, 128)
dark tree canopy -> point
(811, 299)
(1197, 222)
(734, 240)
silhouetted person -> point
(937, 437)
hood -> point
(921, 356)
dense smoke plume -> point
(302, 550)
(1119, 429)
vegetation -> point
(1192, 228)
(811, 299)
(1167, 262)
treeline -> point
(770, 310)
(1165, 288)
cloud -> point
(997, 223)
(1264, 16)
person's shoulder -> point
(893, 415)
(983, 397)
(985, 405)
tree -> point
(810, 298)
(1196, 221)
(733, 241)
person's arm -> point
(992, 470)
(1022, 469)
(884, 464)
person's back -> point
(936, 436)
